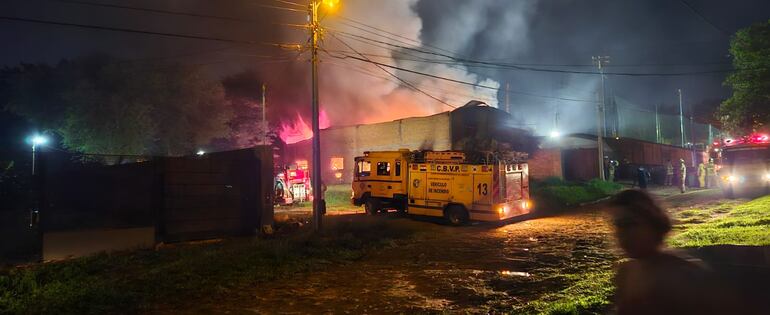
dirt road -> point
(473, 269)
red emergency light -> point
(752, 139)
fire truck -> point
(458, 186)
(744, 164)
(292, 184)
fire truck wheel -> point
(456, 215)
(372, 206)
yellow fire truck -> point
(457, 186)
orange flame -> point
(298, 130)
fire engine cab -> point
(745, 164)
(458, 186)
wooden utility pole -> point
(600, 61)
(264, 115)
(507, 98)
(315, 29)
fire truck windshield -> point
(746, 155)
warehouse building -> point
(474, 126)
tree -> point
(748, 109)
(105, 106)
(244, 92)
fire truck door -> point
(482, 189)
(417, 191)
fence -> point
(87, 207)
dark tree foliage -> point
(748, 109)
(101, 105)
(244, 93)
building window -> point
(364, 168)
(337, 163)
(383, 168)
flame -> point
(298, 130)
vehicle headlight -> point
(729, 178)
(502, 209)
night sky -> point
(660, 36)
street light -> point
(555, 134)
(200, 152)
(36, 140)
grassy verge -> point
(136, 281)
(743, 224)
(590, 293)
(557, 192)
(338, 197)
(726, 222)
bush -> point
(557, 192)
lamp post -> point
(36, 141)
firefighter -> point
(711, 174)
(642, 176)
(701, 175)
(613, 166)
(682, 176)
(669, 174)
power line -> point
(696, 12)
(459, 81)
(368, 72)
(159, 11)
(523, 68)
(128, 30)
(417, 42)
(291, 3)
(407, 83)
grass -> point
(139, 280)
(562, 193)
(338, 197)
(590, 293)
(742, 224)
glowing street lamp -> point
(200, 152)
(331, 5)
(555, 134)
(36, 140)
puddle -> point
(509, 273)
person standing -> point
(656, 280)
(711, 174)
(669, 174)
(612, 169)
(702, 175)
(682, 176)
(642, 177)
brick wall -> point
(545, 163)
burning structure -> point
(474, 126)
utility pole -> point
(507, 98)
(600, 61)
(315, 29)
(264, 115)
(657, 125)
(681, 117)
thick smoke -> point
(570, 32)
(352, 86)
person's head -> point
(640, 224)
